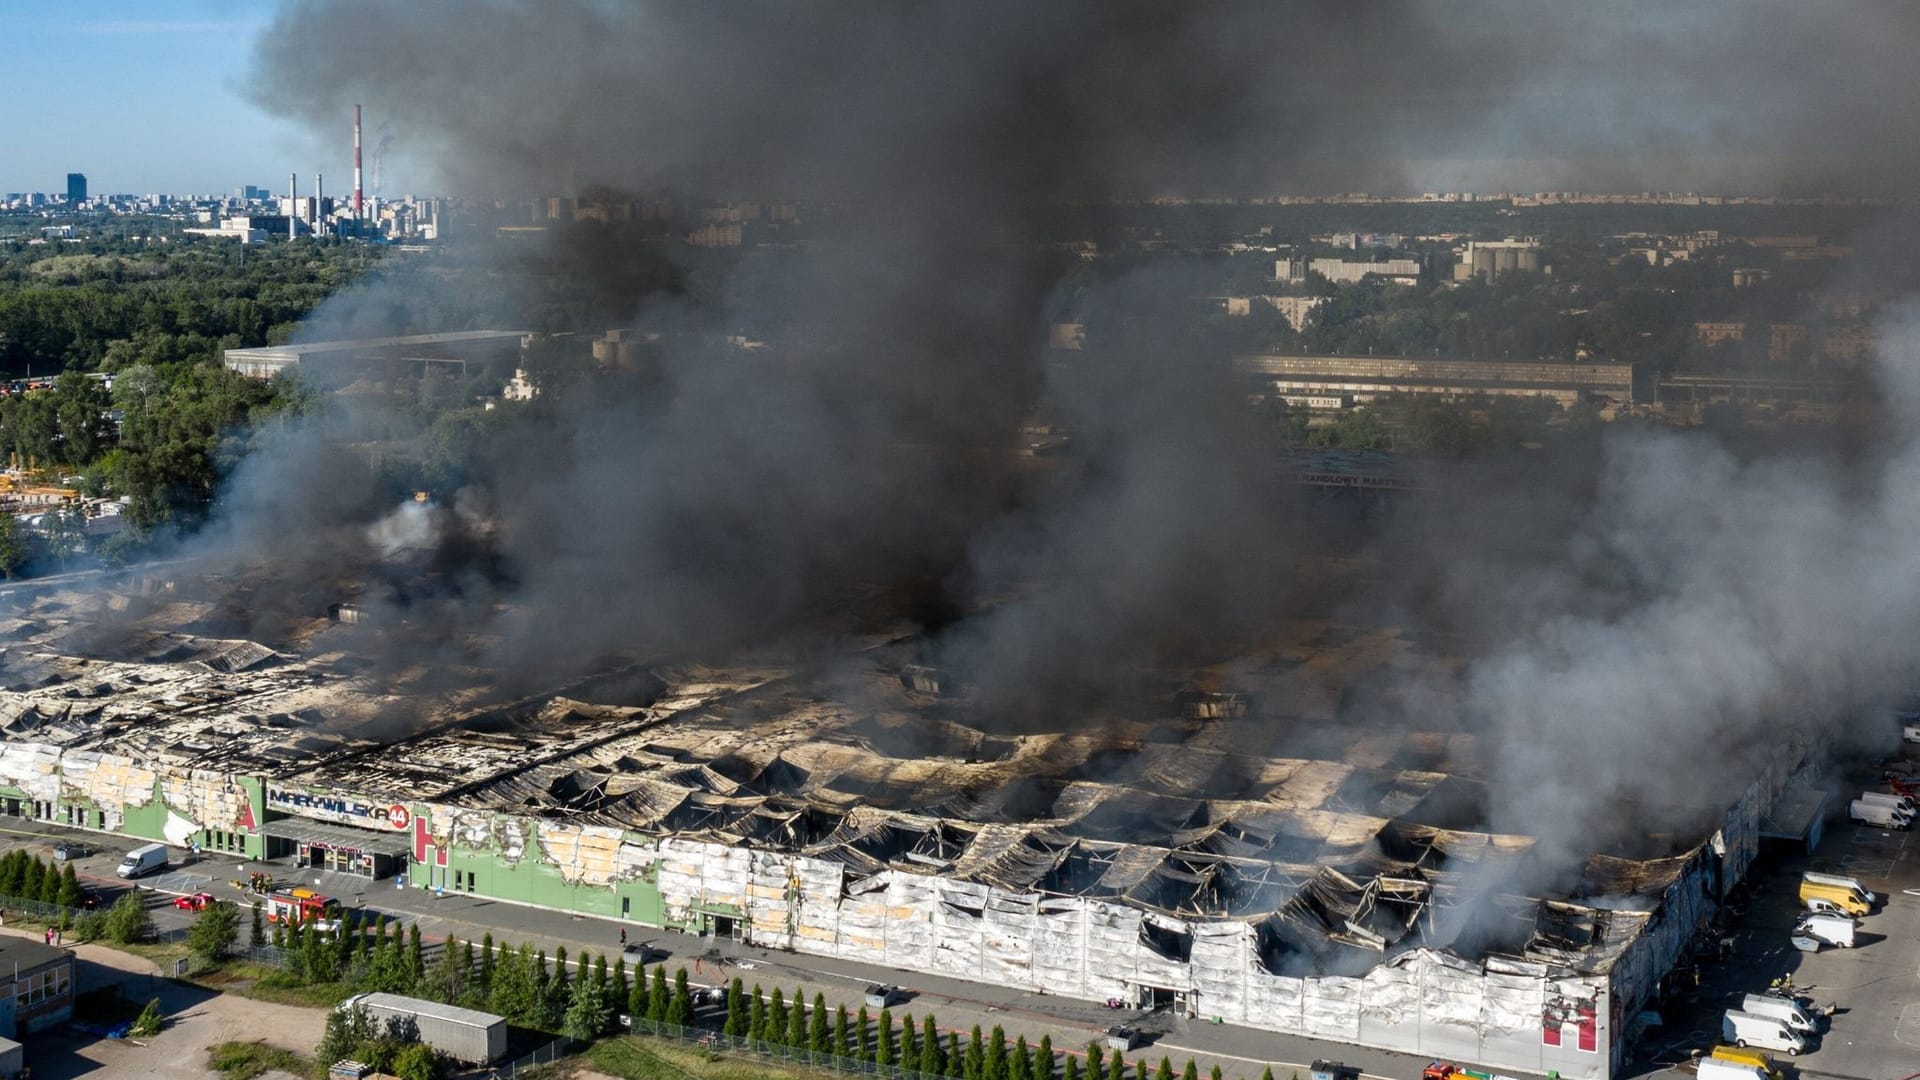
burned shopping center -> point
(1341, 887)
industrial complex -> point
(1338, 882)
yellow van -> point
(1740, 1055)
(1846, 899)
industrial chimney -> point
(356, 163)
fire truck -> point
(292, 906)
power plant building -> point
(1344, 889)
(1490, 260)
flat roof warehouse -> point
(1149, 858)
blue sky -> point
(145, 97)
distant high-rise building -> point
(76, 188)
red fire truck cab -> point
(292, 906)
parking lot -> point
(1875, 986)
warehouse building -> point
(1359, 379)
(1341, 886)
(413, 355)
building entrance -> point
(339, 849)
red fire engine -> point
(292, 906)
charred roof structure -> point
(1343, 885)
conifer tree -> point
(817, 1025)
(486, 961)
(736, 1022)
(681, 1006)
(1020, 1065)
(860, 1035)
(777, 1016)
(1191, 1072)
(973, 1066)
(1165, 1071)
(658, 999)
(1043, 1059)
(797, 1020)
(933, 1060)
(908, 1053)
(842, 1043)
(1070, 1069)
(995, 1066)
(883, 1038)
(757, 1016)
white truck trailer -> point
(463, 1034)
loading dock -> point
(340, 849)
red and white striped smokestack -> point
(356, 162)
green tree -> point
(71, 895)
(680, 1006)
(817, 1025)
(1020, 1063)
(13, 546)
(1165, 1071)
(1117, 1066)
(416, 968)
(214, 932)
(797, 1021)
(995, 1066)
(416, 1061)
(842, 1038)
(1070, 1068)
(49, 884)
(931, 1059)
(659, 999)
(514, 994)
(908, 1054)
(757, 1015)
(777, 1016)
(346, 1029)
(1043, 1059)
(35, 876)
(736, 1022)
(860, 1035)
(149, 1022)
(587, 1012)
(258, 936)
(1095, 1057)
(883, 1039)
(1191, 1072)
(128, 921)
(973, 1066)
(486, 961)
(1215, 1074)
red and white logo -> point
(398, 816)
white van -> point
(1878, 815)
(143, 860)
(1832, 929)
(1819, 905)
(1841, 882)
(1765, 1032)
(1884, 798)
(1785, 1010)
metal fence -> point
(546, 1055)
